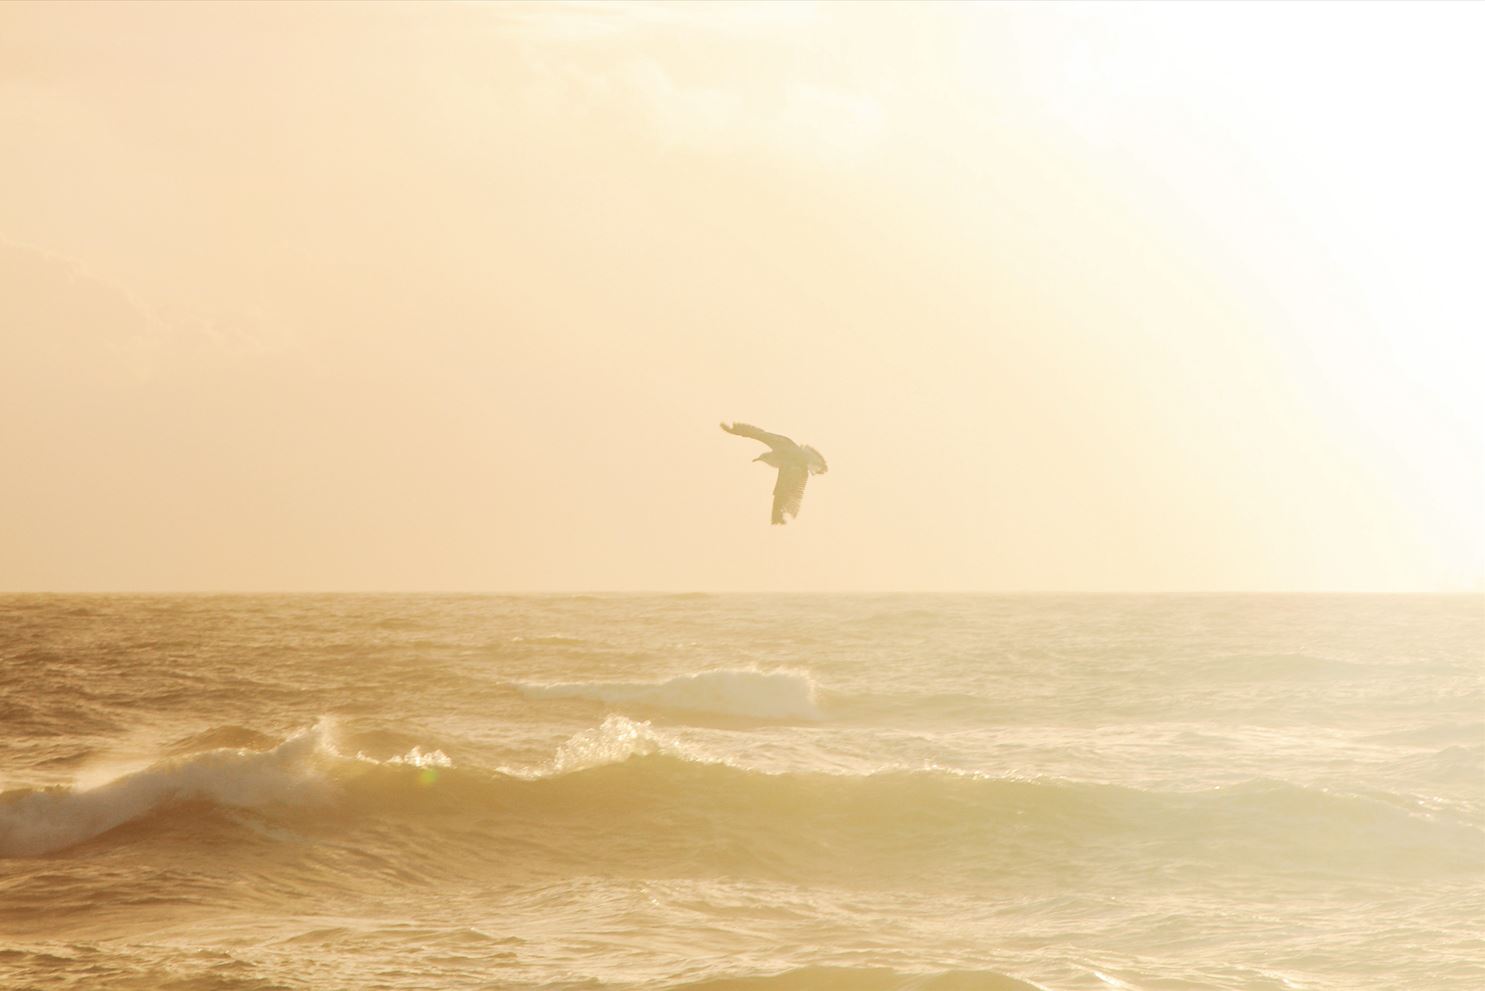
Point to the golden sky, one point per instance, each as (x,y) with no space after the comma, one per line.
(1084,298)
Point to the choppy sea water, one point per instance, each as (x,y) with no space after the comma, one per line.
(735,792)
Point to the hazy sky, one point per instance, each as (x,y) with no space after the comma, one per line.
(452,297)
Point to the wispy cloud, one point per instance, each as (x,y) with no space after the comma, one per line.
(593,20)
(588,58)
(61,314)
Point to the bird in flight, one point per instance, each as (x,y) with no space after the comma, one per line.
(795,462)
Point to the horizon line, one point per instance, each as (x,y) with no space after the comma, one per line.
(535,592)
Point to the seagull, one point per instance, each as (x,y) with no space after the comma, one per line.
(795,462)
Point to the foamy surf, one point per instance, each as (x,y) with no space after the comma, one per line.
(747,692)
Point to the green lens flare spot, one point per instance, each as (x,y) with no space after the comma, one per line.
(428,776)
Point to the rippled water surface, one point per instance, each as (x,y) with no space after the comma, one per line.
(733,792)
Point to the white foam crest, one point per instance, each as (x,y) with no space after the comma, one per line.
(416,757)
(37,822)
(776,694)
(613,741)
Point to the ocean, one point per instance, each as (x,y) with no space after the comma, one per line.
(1072,793)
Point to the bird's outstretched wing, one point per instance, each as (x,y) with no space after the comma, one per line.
(774,441)
(788,492)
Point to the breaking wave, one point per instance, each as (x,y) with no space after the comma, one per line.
(624,792)
(779,694)
(298,773)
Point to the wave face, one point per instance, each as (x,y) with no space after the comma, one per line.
(663,802)
(726,792)
(733,692)
(298,777)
